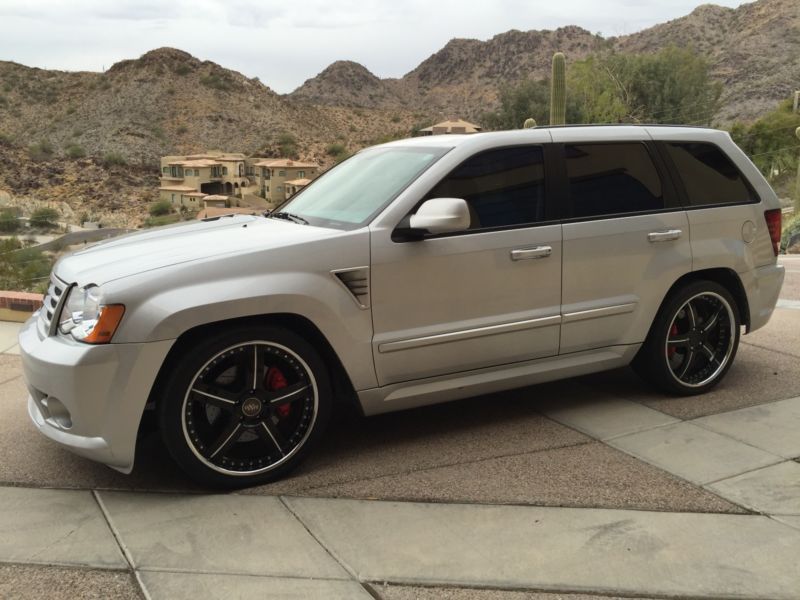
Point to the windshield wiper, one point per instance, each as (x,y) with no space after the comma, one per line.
(288,217)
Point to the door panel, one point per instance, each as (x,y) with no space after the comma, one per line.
(449,304)
(626,243)
(615,277)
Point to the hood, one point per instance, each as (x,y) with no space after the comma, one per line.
(182,243)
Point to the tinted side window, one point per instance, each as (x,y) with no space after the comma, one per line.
(708,175)
(502,187)
(608,179)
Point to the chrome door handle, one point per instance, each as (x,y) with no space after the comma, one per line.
(664,236)
(528,253)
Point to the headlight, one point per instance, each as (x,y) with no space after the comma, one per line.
(87,318)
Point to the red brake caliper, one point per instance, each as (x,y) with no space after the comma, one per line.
(275,381)
(671,349)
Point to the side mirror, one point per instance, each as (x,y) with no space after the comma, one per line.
(441,215)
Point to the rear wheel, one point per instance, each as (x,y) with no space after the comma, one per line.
(693,340)
(245,407)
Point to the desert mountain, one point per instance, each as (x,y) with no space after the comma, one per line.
(754,50)
(169,102)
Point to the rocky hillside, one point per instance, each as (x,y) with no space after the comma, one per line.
(82,188)
(461,79)
(354,85)
(99,135)
(754,50)
(165,102)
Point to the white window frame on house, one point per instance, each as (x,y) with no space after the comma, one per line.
(281,173)
(301,174)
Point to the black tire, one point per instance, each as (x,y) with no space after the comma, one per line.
(223,416)
(693,340)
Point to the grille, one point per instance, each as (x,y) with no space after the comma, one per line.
(51,301)
(357,283)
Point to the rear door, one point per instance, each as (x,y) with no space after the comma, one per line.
(625,239)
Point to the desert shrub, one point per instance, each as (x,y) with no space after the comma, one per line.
(41,151)
(8,221)
(23,269)
(287,144)
(791,228)
(75,151)
(160,208)
(114,159)
(3,100)
(44,217)
(182,129)
(182,70)
(216,82)
(162,220)
(336,150)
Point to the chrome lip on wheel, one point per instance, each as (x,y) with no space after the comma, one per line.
(700,339)
(250,408)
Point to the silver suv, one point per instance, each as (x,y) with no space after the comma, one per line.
(415,272)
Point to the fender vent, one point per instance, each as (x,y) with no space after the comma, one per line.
(356,281)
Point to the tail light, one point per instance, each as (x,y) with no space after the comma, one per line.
(773,218)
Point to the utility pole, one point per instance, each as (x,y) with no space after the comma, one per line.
(796,104)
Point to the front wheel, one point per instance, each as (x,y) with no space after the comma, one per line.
(245,406)
(693,340)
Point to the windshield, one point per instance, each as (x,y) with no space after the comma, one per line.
(353,192)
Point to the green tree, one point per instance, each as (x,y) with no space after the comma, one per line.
(596,92)
(770,141)
(528,99)
(670,86)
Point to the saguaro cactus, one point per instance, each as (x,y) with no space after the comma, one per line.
(529,123)
(558,90)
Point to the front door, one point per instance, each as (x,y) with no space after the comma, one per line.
(484,297)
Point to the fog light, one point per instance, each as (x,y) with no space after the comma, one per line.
(57,412)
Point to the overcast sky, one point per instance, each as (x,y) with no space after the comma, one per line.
(285,42)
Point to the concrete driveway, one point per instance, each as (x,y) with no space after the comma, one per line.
(595,486)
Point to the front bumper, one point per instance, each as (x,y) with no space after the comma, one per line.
(89,398)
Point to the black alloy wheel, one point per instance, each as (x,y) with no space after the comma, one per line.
(693,340)
(245,407)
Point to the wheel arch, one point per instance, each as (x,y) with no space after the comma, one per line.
(727,278)
(343,389)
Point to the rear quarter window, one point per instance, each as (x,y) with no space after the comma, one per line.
(709,177)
